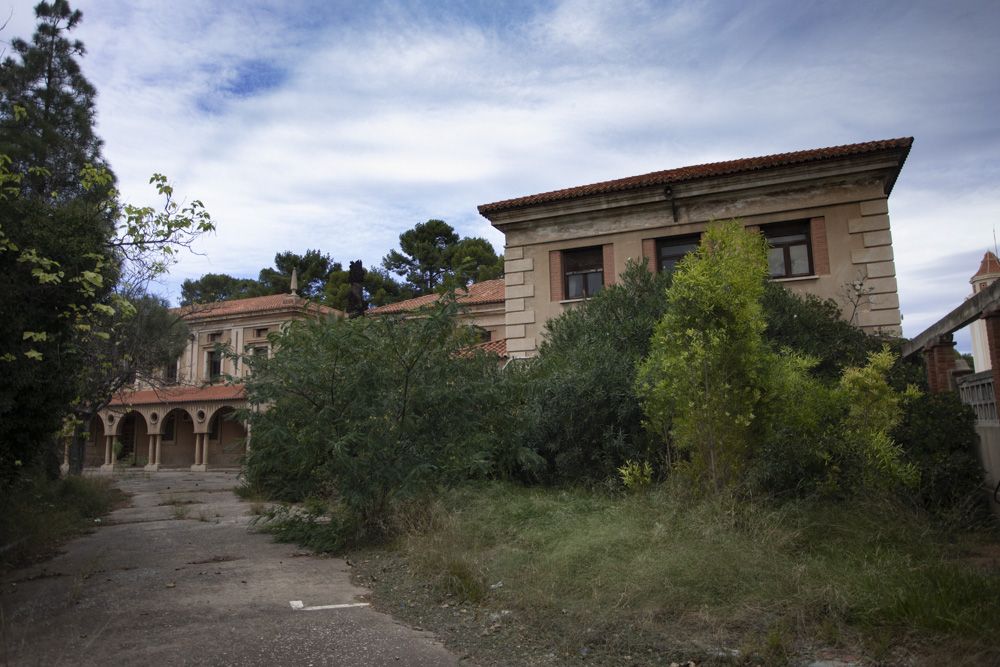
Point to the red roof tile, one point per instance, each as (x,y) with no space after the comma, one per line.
(497,347)
(488,291)
(989,265)
(256,304)
(701,171)
(215,392)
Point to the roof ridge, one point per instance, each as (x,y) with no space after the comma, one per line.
(696,171)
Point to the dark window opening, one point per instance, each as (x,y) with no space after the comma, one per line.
(260,351)
(260,333)
(789,253)
(170,373)
(671,250)
(584,272)
(214,364)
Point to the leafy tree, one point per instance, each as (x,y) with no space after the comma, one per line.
(217,287)
(426,255)
(704,375)
(432,256)
(134,339)
(377,289)
(313,269)
(575,404)
(372,413)
(66,238)
(47,108)
(474,260)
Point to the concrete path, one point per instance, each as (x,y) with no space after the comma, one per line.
(152,587)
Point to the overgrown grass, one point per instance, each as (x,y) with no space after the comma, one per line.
(662,568)
(38,514)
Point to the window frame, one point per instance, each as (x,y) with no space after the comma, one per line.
(210,356)
(680,239)
(790,228)
(567,255)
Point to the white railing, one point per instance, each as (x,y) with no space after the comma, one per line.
(976,391)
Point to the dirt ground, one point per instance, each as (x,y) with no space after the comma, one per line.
(178,579)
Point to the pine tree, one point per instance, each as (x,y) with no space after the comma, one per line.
(47,110)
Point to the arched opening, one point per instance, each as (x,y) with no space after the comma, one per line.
(226,438)
(177,439)
(94,452)
(133,438)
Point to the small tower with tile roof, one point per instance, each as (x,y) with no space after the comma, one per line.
(989,270)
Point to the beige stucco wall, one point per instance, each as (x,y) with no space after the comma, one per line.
(237,333)
(854,211)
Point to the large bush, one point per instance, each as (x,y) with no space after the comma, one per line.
(739,411)
(703,378)
(938,435)
(575,405)
(368,414)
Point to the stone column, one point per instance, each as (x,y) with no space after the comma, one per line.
(200,445)
(109,456)
(204,450)
(939,357)
(153,463)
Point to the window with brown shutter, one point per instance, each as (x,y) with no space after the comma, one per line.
(583,269)
(789,252)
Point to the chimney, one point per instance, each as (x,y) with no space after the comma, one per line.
(295,282)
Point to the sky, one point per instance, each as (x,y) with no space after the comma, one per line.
(339,125)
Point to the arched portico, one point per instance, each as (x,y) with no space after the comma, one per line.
(176,427)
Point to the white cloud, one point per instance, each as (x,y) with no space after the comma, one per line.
(369,118)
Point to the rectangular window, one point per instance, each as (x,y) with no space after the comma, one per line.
(671,250)
(215,337)
(584,272)
(260,333)
(214,364)
(788,253)
(260,351)
(170,373)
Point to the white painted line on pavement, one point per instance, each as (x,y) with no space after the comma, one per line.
(298,605)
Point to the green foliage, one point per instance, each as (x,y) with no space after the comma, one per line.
(636,476)
(705,372)
(378,289)
(372,412)
(213,287)
(574,405)
(625,572)
(47,112)
(937,433)
(814,327)
(432,256)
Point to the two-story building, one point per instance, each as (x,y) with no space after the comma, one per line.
(824,212)
(188,421)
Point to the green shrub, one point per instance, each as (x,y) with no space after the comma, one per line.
(370,412)
(938,435)
(704,375)
(575,405)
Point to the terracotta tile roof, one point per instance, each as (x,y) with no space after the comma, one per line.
(488,291)
(988,266)
(695,172)
(256,304)
(215,392)
(497,347)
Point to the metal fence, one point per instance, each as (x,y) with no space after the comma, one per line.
(977,391)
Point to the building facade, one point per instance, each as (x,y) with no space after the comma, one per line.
(989,271)
(824,212)
(189,421)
